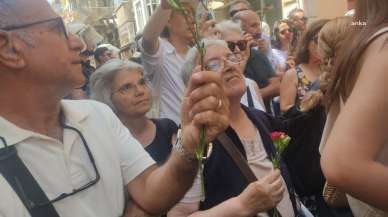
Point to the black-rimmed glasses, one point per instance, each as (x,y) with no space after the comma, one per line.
(58,20)
(82,188)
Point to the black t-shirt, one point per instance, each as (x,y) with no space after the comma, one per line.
(160,147)
(259,68)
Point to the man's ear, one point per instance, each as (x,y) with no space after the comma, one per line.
(10,51)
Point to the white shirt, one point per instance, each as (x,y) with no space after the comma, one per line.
(261,165)
(163,69)
(59,167)
(257,100)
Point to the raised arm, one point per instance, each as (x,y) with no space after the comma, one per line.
(155,26)
(288,90)
(351,158)
(157,189)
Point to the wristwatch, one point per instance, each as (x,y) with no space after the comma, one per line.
(180,149)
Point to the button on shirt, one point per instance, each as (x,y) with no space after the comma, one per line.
(163,69)
(59,167)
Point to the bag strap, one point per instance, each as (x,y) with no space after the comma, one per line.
(24,184)
(249,97)
(237,157)
(240,161)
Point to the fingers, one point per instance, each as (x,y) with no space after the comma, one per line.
(206,90)
(200,78)
(209,103)
(271,177)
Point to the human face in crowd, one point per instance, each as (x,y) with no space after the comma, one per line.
(237,8)
(106,56)
(179,27)
(313,51)
(236,43)
(250,23)
(33,55)
(285,34)
(221,60)
(130,94)
(299,21)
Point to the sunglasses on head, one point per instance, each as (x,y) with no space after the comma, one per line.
(242,45)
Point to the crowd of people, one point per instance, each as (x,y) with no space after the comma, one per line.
(120,137)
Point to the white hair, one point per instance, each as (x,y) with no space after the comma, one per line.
(101,80)
(229,25)
(192,56)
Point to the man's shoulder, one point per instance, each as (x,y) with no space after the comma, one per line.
(84,104)
(86,108)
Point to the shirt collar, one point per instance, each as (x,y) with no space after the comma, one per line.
(14,134)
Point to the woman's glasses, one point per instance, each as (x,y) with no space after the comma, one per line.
(242,45)
(216,65)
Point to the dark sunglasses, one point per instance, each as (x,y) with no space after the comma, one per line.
(234,12)
(242,45)
(58,20)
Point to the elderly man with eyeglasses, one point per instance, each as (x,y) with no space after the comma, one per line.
(76,158)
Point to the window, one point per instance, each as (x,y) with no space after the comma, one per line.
(151,6)
(139,15)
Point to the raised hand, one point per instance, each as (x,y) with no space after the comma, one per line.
(204,105)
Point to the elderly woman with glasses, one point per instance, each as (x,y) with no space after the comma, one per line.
(227,191)
(239,44)
(257,67)
(121,85)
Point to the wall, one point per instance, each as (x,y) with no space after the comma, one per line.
(330,8)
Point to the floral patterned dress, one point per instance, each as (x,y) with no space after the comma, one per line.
(304,85)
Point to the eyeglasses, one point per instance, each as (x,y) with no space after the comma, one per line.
(127,89)
(242,45)
(216,65)
(234,12)
(58,20)
(91,158)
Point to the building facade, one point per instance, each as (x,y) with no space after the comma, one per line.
(126,26)
(143,10)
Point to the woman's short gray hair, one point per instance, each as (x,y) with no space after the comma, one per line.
(101,80)
(229,25)
(192,56)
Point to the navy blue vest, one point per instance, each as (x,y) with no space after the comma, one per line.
(223,179)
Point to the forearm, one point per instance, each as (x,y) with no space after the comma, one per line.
(352,178)
(154,28)
(229,208)
(167,184)
(270,91)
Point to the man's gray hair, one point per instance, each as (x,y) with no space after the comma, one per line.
(191,59)
(9,16)
(7,13)
(229,25)
(101,80)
